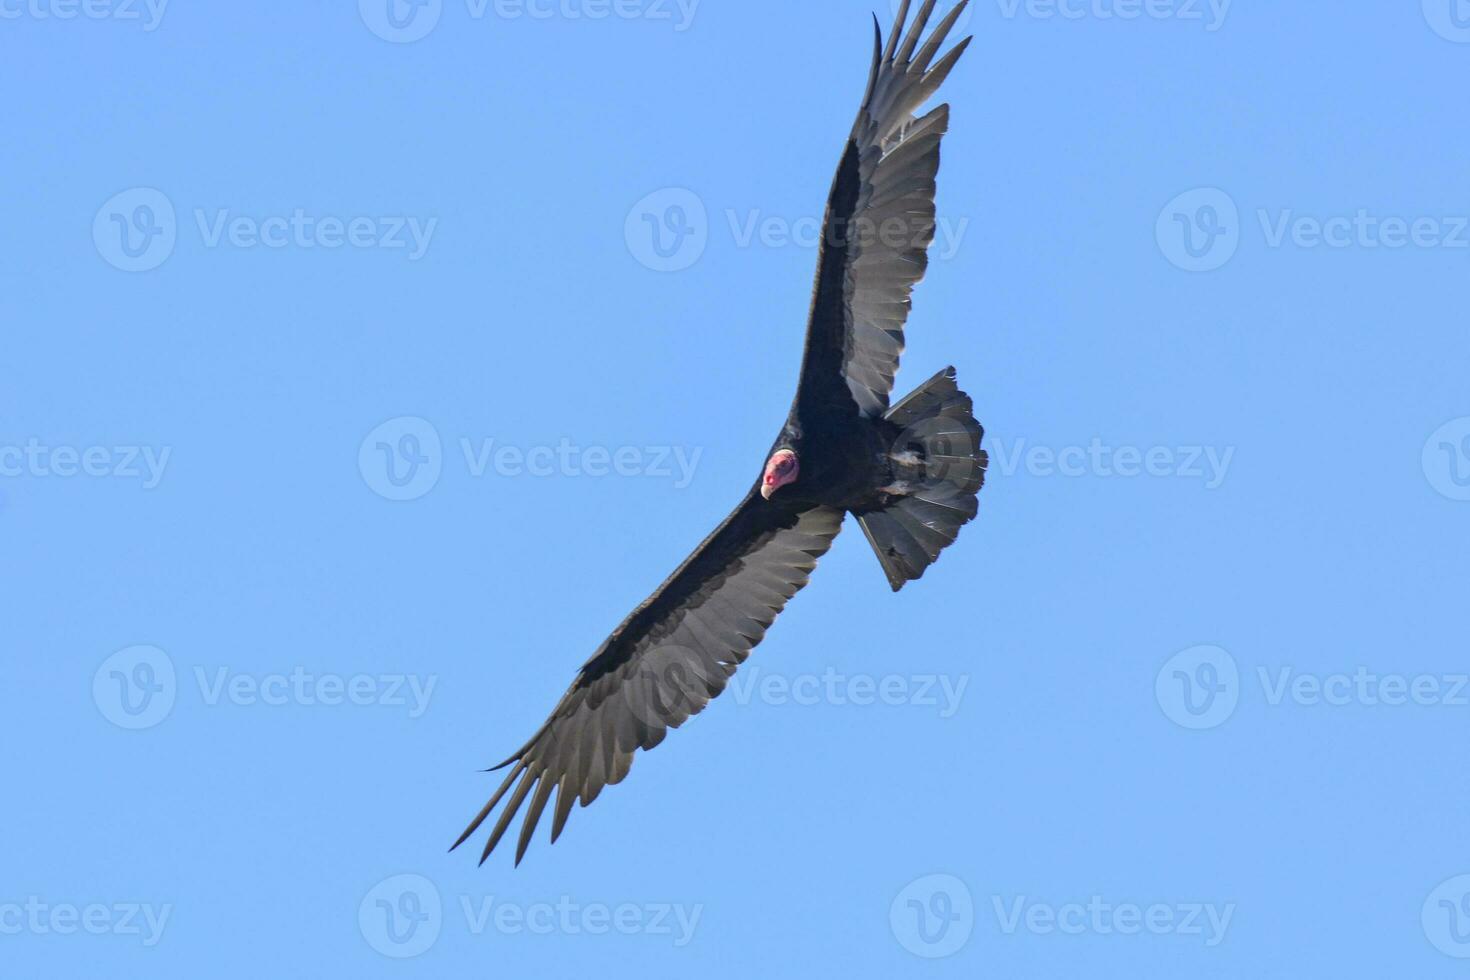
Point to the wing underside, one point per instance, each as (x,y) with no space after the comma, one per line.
(880,219)
(669,659)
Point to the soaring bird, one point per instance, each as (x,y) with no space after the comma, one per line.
(909,473)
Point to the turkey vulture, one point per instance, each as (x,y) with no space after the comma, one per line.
(908,473)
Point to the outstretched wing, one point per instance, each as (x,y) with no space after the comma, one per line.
(879,224)
(665,662)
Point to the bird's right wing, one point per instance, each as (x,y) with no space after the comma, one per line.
(666,661)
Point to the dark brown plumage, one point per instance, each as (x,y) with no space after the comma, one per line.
(908,473)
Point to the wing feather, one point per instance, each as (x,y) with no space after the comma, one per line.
(879,224)
(665,663)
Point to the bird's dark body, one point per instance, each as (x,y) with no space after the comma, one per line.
(843,462)
(908,472)
(842,452)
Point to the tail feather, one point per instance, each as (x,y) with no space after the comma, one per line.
(939,468)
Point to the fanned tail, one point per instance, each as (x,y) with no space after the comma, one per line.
(939,469)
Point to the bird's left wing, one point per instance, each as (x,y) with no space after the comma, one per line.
(879,223)
(666,661)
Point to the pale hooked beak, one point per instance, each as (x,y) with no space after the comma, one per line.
(781,469)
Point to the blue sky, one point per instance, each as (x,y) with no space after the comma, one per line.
(1185,700)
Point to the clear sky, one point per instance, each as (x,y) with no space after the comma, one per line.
(1187,699)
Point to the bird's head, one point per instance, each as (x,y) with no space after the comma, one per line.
(782,468)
